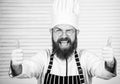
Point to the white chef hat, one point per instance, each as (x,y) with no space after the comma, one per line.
(65,12)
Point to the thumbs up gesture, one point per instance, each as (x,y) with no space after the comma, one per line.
(17,55)
(107,51)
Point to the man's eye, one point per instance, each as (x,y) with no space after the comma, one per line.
(70,31)
(57,30)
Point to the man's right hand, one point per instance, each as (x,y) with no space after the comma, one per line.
(17,57)
(16,62)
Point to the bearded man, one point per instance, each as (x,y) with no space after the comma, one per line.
(65,63)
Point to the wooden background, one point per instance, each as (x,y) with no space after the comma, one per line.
(29,22)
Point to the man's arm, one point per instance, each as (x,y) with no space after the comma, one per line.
(27,68)
(97,67)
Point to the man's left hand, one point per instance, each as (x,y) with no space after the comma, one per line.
(107,52)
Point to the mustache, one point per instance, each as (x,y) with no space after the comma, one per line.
(64,39)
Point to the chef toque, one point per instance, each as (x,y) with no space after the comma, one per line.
(65,12)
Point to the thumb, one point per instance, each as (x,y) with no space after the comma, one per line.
(17,44)
(109,41)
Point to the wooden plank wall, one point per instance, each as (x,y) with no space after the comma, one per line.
(29,21)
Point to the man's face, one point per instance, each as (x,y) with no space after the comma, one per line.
(64,39)
(64,35)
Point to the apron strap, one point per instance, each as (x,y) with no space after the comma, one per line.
(78,63)
(50,63)
(80,71)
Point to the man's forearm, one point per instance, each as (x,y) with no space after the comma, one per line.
(16,69)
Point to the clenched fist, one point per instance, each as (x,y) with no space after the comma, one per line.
(107,51)
(17,57)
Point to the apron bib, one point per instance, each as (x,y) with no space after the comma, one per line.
(56,79)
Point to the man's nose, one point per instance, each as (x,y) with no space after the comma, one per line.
(64,35)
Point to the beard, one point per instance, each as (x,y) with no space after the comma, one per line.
(64,53)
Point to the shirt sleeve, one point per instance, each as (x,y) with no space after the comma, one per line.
(32,67)
(96,66)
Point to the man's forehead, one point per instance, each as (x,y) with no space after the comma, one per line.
(64,26)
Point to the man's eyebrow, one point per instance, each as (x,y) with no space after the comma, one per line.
(57,28)
(70,29)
